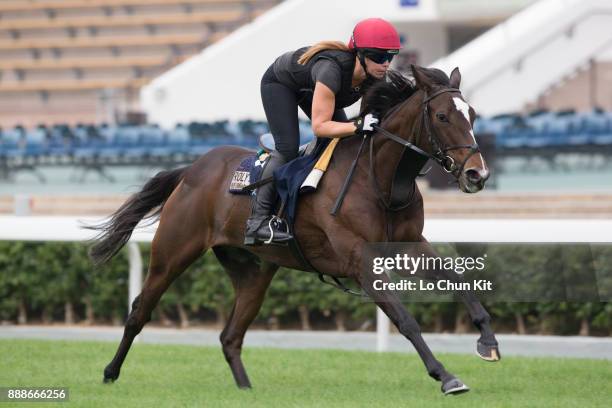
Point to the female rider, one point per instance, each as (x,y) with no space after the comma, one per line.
(322,80)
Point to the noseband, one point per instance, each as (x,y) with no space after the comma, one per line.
(440,154)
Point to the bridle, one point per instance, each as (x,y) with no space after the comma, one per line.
(440,153)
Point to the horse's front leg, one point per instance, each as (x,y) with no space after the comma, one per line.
(351,252)
(406,324)
(486,347)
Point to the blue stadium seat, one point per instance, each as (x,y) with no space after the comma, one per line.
(36,142)
(481,125)
(598,125)
(198,141)
(576,131)
(540,131)
(178,140)
(511,131)
(128,140)
(108,149)
(60,141)
(153,140)
(83,148)
(14,143)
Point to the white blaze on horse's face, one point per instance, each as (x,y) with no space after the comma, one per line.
(464,108)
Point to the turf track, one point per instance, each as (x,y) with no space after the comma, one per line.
(165,375)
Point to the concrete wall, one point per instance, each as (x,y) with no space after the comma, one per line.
(511,65)
(586,88)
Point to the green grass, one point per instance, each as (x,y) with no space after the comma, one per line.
(164,375)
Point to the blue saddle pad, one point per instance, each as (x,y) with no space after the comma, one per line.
(248,172)
(289,178)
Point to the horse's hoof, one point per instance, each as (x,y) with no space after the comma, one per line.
(109,376)
(488,352)
(454,386)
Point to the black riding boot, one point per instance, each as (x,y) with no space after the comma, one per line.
(260,226)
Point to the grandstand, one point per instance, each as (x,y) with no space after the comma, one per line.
(71,71)
(83,61)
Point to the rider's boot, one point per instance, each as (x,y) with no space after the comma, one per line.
(260,226)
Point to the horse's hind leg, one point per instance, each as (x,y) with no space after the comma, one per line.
(175,247)
(250,283)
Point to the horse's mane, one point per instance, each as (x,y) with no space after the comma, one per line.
(383,95)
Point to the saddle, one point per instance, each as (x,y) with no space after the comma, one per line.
(250,169)
(266,142)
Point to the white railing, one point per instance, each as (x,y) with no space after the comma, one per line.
(45,228)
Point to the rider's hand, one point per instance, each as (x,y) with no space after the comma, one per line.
(365,123)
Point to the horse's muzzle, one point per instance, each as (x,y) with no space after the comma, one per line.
(473,179)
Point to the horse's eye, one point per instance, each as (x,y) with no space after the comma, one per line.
(442,117)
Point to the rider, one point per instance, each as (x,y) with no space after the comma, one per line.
(322,80)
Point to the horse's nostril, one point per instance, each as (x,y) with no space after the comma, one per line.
(473,176)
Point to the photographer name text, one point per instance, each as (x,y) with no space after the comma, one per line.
(441,285)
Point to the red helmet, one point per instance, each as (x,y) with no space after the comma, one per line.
(375,33)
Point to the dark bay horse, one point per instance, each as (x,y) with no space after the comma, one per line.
(197,213)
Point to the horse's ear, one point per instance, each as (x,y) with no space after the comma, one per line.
(422,81)
(455,78)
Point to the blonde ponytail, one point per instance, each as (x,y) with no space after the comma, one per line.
(321,46)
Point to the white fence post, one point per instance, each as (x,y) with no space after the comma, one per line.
(382,331)
(22,204)
(135,285)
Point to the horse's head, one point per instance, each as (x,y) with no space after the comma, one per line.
(446,128)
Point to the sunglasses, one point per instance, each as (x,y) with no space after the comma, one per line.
(379,57)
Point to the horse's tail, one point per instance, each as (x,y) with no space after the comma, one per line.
(117,230)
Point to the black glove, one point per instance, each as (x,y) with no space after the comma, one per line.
(364,124)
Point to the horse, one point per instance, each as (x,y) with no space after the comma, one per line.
(196,213)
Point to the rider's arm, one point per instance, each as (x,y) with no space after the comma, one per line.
(323,106)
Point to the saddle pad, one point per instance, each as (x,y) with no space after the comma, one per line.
(287,178)
(248,172)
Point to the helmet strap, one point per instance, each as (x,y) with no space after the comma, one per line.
(361,58)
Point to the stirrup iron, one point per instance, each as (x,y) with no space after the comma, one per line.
(279,221)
